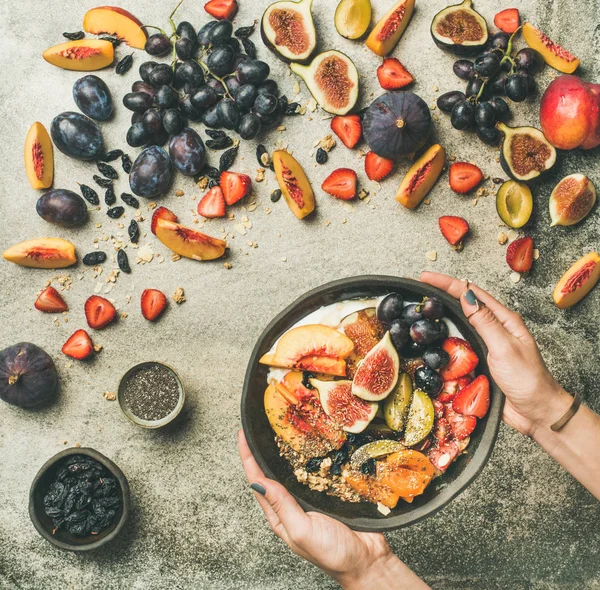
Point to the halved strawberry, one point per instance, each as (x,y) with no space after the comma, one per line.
(474,399)
(464,177)
(99,312)
(519,254)
(463,359)
(212,203)
(452,387)
(153,303)
(453,228)
(376,167)
(442,454)
(461,425)
(442,430)
(341,184)
(161,213)
(221,9)
(393,75)
(235,186)
(508,20)
(50,301)
(348,128)
(79,346)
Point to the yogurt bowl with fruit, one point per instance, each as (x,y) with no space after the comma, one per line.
(369,398)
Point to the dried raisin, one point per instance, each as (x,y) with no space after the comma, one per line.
(126,163)
(245,32)
(89,194)
(227,159)
(134,231)
(103,182)
(94,258)
(74,36)
(112,155)
(249,48)
(109,196)
(116,212)
(123,261)
(125,64)
(321,156)
(130,200)
(107,170)
(276,195)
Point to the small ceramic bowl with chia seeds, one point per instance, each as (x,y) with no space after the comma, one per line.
(151,394)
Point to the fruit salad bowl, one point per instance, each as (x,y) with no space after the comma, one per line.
(365,516)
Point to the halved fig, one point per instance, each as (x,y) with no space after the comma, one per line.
(375,450)
(420,418)
(343,407)
(377,375)
(84,55)
(288,29)
(525,152)
(460,29)
(294,184)
(572,199)
(421,177)
(397,404)
(42,253)
(188,242)
(39,157)
(514,203)
(313,347)
(554,55)
(387,32)
(116,21)
(332,79)
(578,281)
(352,18)
(365,331)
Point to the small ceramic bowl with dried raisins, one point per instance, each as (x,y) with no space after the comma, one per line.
(79,500)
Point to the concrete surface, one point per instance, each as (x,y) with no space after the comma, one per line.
(524,524)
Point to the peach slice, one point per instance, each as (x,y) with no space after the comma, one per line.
(42,253)
(578,281)
(554,55)
(314,347)
(276,409)
(387,32)
(188,242)
(85,55)
(294,184)
(116,21)
(39,157)
(421,177)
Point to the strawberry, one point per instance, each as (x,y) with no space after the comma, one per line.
(443,454)
(341,184)
(393,75)
(453,228)
(348,129)
(474,399)
(442,430)
(50,301)
(508,20)
(153,303)
(99,312)
(212,203)
(235,186)
(519,254)
(452,387)
(376,167)
(463,359)
(221,9)
(461,425)
(438,409)
(464,177)
(79,346)
(161,213)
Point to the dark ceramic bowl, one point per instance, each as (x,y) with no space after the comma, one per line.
(43,523)
(364,516)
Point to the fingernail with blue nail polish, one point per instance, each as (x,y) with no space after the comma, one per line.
(258,489)
(470,297)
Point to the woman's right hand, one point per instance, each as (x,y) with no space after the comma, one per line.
(533,397)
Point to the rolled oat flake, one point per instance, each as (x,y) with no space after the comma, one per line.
(152,392)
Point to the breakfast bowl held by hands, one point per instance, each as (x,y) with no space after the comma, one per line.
(369,398)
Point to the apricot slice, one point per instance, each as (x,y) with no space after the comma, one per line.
(578,281)
(421,177)
(85,55)
(42,253)
(311,348)
(387,32)
(188,242)
(371,489)
(572,199)
(554,55)
(39,157)
(294,184)
(116,21)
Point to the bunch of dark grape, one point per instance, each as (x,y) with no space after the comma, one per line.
(209,79)
(493,74)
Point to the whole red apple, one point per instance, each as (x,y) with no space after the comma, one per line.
(570,113)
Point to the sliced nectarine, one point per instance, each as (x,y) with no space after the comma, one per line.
(85,55)
(276,408)
(578,281)
(554,55)
(42,253)
(387,32)
(294,184)
(421,177)
(115,21)
(188,242)
(39,157)
(312,348)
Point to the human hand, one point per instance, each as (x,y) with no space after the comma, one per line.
(533,397)
(353,559)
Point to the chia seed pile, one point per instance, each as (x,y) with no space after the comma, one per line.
(151,393)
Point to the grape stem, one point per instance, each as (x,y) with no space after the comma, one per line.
(173,14)
(210,73)
(153,27)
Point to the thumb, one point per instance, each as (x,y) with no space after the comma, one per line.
(289,512)
(483,319)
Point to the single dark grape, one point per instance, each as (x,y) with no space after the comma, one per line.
(270,121)
(186,30)
(137,117)
(240,58)
(436,358)
(528,60)
(501,109)
(229,113)
(232,84)
(411,314)
(204,32)
(159,138)
(161,74)
(173,121)
(432,308)
(390,308)
(531,83)
(211,117)
(250,126)
(446,102)
(486,65)
(137,101)
(265,104)
(146,69)
(165,97)
(485,115)
(245,96)
(399,333)
(152,121)
(221,32)
(496,84)
(137,135)
(253,71)
(462,115)
(184,48)
(516,87)
(139,86)
(221,59)
(234,44)
(268,87)
(428,380)
(474,86)
(158,44)
(412,350)
(464,69)
(204,97)
(489,135)
(192,112)
(499,41)
(424,331)
(216,86)
(442,330)
(190,71)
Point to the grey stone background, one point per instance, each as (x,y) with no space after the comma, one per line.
(524,524)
